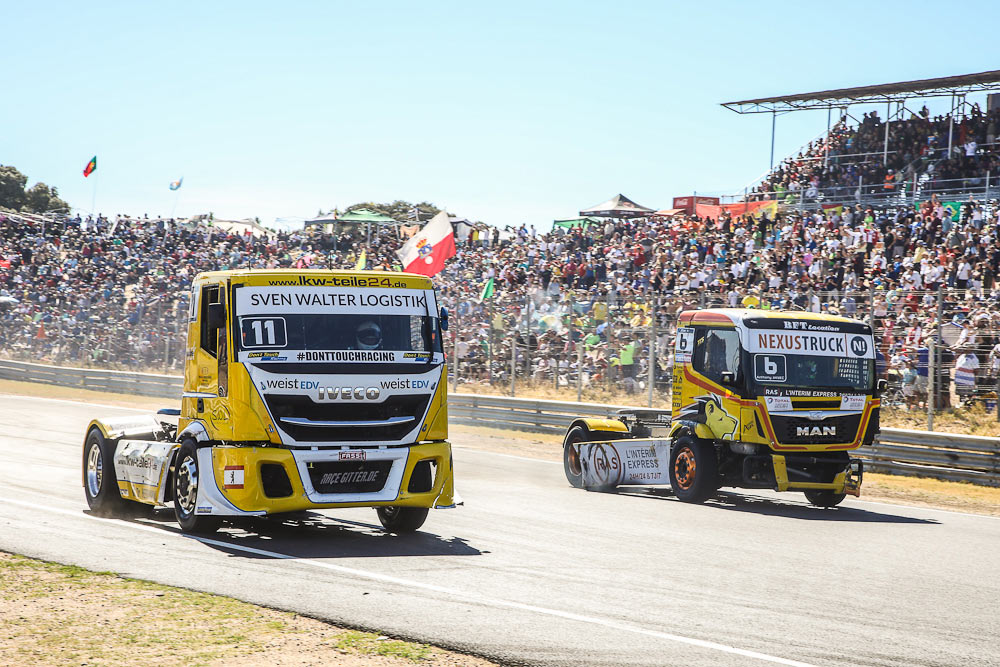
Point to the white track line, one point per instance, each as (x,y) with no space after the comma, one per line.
(72,402)
(525,458)
(506,456)
(407,583)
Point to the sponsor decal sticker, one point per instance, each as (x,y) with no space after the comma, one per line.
(820,343)
(358,455)
(684,345)
(778,403)
(340,281)
(606,464)
(852,402)
(233,477)
(770,367)
(330,300)
(353,477)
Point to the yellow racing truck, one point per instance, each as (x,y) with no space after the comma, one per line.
(761,399)
(303,389)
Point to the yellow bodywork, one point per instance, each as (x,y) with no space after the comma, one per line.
(251,498)
(715,412)
(219,395)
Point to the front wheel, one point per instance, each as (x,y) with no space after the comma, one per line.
(824,497)
(694,469)
(401,519)
(186,479)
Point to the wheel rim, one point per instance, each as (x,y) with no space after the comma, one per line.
(684,468)
(95,470)
(187,485)
(389,512)
(573,458)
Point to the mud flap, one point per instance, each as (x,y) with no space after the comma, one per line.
(855,473)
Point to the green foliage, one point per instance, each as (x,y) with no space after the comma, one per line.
(42,198)
(12,184)
(399,210)
(39,198)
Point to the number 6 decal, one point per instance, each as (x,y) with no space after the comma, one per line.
(769,367)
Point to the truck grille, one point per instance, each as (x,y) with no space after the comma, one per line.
(349,476)
(787,430)
(404,405)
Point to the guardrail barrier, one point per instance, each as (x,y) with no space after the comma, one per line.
(946,456)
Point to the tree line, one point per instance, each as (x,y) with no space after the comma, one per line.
(39,198)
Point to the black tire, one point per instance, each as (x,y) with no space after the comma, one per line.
(824,498)
(186,478)
(401,519)
(571,456)
(694,469)
(99,481)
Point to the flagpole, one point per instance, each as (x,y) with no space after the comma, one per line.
(93,201)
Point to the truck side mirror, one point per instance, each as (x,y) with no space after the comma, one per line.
(728,378)
(881,386)
(444,318)
(216,316)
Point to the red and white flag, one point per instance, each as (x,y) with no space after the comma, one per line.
(425,253)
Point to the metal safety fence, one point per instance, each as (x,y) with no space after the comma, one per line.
(937,348)
(944,456)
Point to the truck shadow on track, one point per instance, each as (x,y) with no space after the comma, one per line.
(315,535)
(740,502)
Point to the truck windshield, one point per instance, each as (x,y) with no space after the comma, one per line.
(401,333)
(774,373)
(335,324)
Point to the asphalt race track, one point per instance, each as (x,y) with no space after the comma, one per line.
(531,571)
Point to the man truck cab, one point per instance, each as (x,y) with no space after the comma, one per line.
(760,399)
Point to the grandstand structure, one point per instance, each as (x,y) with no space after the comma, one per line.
(951,157)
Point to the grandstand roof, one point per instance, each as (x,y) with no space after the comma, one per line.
(886,92)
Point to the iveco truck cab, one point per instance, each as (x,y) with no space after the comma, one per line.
(303,389)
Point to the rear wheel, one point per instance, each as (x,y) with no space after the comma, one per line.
(186,480)
(401,519)
(99,480)
(694,469)
(571,454)
(824,498)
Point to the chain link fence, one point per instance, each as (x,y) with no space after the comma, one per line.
(122,331)
(598,345)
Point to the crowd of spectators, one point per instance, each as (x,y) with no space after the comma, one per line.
(585,305)
(849,160)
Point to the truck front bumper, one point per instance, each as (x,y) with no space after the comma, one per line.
(847,481)
(250,481)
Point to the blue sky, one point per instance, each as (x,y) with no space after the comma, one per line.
(503,112)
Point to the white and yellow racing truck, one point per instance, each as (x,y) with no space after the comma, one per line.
(303,390)
(761,399)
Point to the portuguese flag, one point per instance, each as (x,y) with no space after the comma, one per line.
(91,167)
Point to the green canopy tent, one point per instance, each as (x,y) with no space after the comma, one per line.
(618,206)
(367,217)
(570,223)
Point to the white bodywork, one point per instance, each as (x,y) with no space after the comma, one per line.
(625,463)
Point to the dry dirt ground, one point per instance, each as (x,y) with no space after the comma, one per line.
(61,615)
